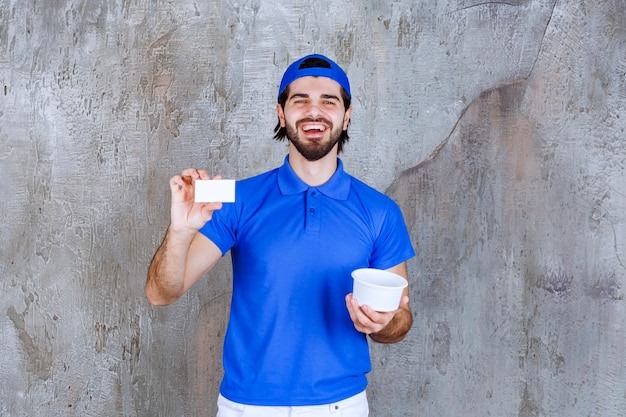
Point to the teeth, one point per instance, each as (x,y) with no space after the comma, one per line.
(307,128)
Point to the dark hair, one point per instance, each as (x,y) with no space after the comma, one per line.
(280,133)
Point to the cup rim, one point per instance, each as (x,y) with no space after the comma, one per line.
(362,274)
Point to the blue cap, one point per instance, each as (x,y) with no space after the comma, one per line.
(332,71)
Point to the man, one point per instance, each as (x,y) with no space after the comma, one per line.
(296,339)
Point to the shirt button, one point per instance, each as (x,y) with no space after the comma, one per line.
(312,210)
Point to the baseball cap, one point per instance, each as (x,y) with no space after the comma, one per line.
(328,69)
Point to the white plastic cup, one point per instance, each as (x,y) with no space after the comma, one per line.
(379,289)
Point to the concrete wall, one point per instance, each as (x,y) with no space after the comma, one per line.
(498,127)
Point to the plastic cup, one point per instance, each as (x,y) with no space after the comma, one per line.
(379,289)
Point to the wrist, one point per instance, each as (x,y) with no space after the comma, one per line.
(181,234)
(397,328)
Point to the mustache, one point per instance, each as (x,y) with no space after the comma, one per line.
(315,120)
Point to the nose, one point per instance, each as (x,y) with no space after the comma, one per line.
(314,110)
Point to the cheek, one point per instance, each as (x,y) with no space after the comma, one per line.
(288,118)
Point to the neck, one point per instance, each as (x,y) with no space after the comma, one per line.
(313,173)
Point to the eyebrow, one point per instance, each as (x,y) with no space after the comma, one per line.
(325,96)
(330,96)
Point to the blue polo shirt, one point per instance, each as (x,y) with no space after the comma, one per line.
(290,340)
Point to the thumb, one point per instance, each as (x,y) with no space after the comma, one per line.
(404,301)
(208,209)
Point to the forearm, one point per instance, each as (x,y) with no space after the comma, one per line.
(397,328)
(166,274)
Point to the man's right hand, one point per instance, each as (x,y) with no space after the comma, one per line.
(184,255)
(187,216)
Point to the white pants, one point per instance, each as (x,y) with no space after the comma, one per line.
(355,406)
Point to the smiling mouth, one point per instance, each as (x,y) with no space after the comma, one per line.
(313,127)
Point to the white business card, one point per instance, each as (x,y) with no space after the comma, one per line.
(210,191)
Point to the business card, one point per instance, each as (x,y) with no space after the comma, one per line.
(210,191)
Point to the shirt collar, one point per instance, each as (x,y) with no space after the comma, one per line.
(337,187)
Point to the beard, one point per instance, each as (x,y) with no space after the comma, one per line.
(313,150)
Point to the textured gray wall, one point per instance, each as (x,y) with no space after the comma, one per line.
(498,126)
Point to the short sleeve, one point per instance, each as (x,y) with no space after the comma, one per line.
(222,228)
(393,244)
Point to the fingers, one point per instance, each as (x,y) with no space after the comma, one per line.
(177,183)
(359,319)
(192,174)
(188,176)
(365,319)
(353,307)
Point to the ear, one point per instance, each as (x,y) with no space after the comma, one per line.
(346,118)
(281,114)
